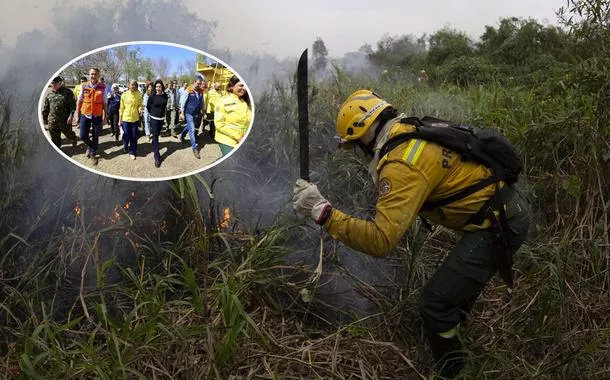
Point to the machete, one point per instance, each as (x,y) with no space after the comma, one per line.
(303,116)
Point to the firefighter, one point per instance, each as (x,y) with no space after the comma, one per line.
(78,87)
(232,115)
(422,80)
(214,94)
(408,177)
(59,106)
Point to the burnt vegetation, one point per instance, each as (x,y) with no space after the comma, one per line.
(212,276)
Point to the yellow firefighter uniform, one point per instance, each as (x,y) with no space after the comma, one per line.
(212,98)
(405,180)
(232,117)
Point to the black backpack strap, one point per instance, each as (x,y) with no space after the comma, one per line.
(394,142)
(412,120)
(401,137)
(496,202)
(429,206)
(502,256)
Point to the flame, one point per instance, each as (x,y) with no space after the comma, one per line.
(226,218)
(127,205)
(163,226)
(77,209)
(133,194)
(117,215)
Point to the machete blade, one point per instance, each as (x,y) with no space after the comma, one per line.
(303,116)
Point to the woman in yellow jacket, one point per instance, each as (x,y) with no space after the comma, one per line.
(130,111)
(232,115)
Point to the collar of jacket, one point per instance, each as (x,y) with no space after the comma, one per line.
(191,90)
(390,129)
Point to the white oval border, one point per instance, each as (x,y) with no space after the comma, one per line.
(137,179)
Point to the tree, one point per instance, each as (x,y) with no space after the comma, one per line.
(147,71)
(161,65)
(130,61)
(366,49)
(397,51)
(447,44)
(319,55)
(104,60)
(588,23)
(190,65)
(519,42)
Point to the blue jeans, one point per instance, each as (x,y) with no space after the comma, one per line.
(155,126)
(146,117)
(93,125)
(190,128)
(130,136)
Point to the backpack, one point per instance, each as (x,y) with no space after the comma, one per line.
(485,146)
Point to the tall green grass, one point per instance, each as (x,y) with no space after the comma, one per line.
(84,299)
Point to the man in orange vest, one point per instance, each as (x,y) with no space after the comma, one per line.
(91,111)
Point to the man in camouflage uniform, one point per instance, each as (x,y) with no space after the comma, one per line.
(173,107)
(59,106)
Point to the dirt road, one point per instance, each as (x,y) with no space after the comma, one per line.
(177,159)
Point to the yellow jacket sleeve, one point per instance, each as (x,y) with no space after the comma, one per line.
(401,191)
(410,175)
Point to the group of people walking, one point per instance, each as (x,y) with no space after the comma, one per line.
(228,115)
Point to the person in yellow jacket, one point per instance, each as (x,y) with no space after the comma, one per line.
(213,96)
(130,111)
(78,87)
(232,115)
(409,177)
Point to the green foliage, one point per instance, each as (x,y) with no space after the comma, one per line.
(465,71)
(397,51)
(448,44)
(190,308)
(518,42)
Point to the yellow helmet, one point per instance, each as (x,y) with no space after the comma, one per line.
(358,113)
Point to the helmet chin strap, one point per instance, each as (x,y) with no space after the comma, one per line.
(367,142)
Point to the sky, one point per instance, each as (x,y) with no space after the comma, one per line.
(176,55)
(284,28)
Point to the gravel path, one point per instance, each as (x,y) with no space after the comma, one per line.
(177,159)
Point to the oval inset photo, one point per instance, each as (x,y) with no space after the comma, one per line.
(146,111)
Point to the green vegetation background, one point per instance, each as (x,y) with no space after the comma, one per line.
(199,299)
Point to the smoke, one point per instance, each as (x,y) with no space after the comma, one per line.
(259,194)
(27,67)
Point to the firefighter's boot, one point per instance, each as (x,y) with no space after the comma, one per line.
(448,354)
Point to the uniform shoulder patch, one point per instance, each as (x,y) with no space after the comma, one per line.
(384,187)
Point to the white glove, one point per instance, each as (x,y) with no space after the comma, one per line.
(308,201)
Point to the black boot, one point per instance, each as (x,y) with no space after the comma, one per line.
(448,354)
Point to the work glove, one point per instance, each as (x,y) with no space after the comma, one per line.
(308,201)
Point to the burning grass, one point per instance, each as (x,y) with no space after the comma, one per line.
(124,280)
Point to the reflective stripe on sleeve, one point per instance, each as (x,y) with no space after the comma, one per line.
(413,151)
